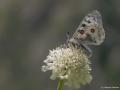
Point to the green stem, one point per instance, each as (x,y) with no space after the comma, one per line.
(60,85)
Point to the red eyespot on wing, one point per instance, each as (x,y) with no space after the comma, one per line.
(92,30)
(81,31)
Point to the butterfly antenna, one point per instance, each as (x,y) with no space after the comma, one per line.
(68,36)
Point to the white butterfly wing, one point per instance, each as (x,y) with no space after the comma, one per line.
(84,34)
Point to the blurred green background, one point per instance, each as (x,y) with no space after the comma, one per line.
(29,28)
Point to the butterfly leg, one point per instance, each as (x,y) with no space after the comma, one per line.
(89,51)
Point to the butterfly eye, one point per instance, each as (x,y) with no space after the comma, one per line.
(81,31)
(92,30)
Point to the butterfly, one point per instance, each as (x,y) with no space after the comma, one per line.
(89,32)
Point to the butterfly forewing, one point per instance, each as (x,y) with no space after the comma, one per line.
(90,31)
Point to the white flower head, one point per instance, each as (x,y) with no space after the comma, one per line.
(70,64)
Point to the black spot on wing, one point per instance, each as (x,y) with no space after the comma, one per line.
(83,25)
